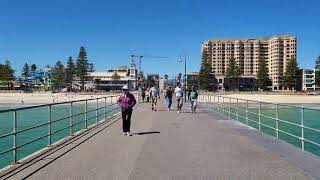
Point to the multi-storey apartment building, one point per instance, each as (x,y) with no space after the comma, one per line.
(275,51)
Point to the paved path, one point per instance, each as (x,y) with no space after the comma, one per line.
(166,145)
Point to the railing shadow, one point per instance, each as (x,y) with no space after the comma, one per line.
(145,133)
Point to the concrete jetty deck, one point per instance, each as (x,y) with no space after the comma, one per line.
(167,145)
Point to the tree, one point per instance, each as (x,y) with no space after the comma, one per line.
(91,67)
(70,72)
(232,74)
(317,78)
(58,75)
(157,79)
(25,71)
(166,76)
(33,67)
(82,66)
(2,73)
(291,76)
(150,80)
(8,73)
(263,80)
(207,80)
(317,66)
(115,76)
(299,80)
(141,78)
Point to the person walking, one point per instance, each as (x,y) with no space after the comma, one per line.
(143,93)
(147,94)
(189,91)
(154,94)
(179,96)
(168,97)
(126,102)
(193,99)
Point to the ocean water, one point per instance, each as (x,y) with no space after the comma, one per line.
(291,117)
(36,116)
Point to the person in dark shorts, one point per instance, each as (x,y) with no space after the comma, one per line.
(143,93)
(193,99)
(168,97)
(179,96)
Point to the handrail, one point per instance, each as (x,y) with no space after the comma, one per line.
(265,102)
(52,104)
(225,107)
(98,115)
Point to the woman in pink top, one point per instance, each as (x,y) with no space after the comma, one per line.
(126,102)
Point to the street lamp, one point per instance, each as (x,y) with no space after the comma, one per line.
(183,58)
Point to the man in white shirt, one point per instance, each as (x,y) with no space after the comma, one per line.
(179,95)
(154,97)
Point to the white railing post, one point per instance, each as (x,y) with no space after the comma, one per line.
(49,125)
(229,107)
(302,129)
(71,119)
(218,103)
(97,106)
(259,115)
(277,121)
(223,105)
(237,109)
(105,108)
(247,118)
(14,136)
(86,115)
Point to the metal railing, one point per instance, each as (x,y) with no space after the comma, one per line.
(104,108)
(294,124)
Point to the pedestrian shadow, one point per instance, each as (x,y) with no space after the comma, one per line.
(144,133)
(162,110)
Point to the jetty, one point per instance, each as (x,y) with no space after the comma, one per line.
(170,145)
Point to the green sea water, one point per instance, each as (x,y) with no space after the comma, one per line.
(35,116)
(311,118)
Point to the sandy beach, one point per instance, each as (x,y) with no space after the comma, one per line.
(44,98)
(285,99)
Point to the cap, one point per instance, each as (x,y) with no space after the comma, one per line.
(125,87)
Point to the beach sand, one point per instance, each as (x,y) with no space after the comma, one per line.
(44,98)
(47,98)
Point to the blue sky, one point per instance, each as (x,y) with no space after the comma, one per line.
(43,31)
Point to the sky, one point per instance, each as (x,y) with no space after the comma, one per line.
(43,31)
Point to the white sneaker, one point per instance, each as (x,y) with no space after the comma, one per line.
(168,109)
(128,134)
(124,134)
(178,111)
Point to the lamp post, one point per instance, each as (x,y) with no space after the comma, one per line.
(185,74)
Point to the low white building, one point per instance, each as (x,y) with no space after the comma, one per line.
(115,79)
